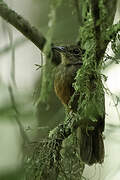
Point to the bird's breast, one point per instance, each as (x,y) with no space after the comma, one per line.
(63,82)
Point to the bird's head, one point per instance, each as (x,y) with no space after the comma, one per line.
(70,55)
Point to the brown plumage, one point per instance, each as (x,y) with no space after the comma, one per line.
(91,142)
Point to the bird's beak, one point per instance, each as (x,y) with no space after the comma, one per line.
(59,48)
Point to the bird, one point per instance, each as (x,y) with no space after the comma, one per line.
(91,141)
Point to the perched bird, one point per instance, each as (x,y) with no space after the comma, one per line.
(91,141)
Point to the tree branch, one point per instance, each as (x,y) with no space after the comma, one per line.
(100,13)
(22,25)
(97,31)
(66,128)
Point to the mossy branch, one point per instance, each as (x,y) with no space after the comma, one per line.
(97,31)
(65,129)
(102,21)
(22,25)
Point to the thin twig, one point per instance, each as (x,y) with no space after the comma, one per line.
(111,94)
(17,114)
(10,34)
(16,44)
(22,25)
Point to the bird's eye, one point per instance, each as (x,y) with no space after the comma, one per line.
(76,51)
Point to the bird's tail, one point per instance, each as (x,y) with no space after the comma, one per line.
(91,147)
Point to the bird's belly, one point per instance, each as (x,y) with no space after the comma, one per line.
(62,89)
(63,84)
